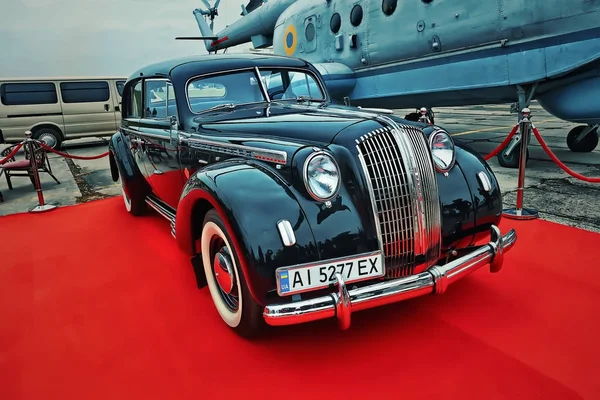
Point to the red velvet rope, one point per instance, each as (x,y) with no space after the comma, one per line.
(60,153)
(12,153)
(503,144)
(559,163)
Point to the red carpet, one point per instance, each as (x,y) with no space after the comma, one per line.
(86,312)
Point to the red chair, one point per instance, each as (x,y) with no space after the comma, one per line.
(24,167)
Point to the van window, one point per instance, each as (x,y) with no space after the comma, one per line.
(84,92)
(135,101)
(16,94)
(120,87)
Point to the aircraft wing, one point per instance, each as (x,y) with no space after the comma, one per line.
(253,5)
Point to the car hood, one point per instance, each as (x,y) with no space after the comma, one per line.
(298,124)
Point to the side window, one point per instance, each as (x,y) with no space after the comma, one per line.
(16,94)
(120,87)
(135,101)
(84,92)
(159,99)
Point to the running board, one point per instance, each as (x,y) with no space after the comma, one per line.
(163,210)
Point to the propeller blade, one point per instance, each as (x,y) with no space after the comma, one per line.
(212,23)
(217,4)
(196,38)
(207,4)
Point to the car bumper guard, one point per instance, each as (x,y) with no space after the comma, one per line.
(344,302)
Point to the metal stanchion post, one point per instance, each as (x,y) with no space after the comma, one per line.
(41,207)
(519,212)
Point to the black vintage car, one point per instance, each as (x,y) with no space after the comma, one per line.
(292,208)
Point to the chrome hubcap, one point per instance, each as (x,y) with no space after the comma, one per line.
(50,140)
(224,270)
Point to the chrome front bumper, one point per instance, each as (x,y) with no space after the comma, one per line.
(436,279)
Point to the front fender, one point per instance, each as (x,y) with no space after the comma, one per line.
(251,200)
(123,166)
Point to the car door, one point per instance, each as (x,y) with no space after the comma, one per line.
(88,108)
(160,141)
(130,126)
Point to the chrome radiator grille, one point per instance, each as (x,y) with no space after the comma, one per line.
(403,187)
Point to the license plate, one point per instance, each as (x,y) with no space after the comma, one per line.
(302,278)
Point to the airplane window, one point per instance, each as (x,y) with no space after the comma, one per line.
(389,6)
(310,32)
(427,1)
(336,23)
(356,15)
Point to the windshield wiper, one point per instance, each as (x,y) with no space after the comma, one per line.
(230,106)
(302,98)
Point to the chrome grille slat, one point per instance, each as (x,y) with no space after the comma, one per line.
(400,189)
(405,257)
(394,211)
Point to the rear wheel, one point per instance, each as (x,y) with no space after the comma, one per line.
(135,205)
(225,279)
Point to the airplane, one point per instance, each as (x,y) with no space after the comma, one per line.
(438,53)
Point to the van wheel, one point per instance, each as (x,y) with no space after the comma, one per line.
(226,281)
(50,136)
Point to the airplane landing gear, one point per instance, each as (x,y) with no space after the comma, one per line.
(510,159)
(583,139)
(509,156)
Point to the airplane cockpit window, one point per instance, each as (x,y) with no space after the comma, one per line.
(389,6)
(336,23)
(356,15)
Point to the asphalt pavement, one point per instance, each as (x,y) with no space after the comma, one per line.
(557,196)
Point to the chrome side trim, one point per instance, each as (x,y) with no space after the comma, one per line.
(160,208)
(286,232)
(257,153)
(436,280)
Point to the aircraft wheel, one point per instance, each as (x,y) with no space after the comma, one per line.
(586,144)
(512,160)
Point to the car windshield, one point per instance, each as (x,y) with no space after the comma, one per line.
(225,91)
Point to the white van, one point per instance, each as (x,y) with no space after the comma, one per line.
(59,109)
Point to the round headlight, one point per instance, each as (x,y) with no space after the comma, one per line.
(442,150)
(321,176)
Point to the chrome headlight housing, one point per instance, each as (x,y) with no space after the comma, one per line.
(321,176)
(442,150)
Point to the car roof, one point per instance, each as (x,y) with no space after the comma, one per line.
(206,63)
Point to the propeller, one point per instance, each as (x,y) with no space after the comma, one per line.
(211,12)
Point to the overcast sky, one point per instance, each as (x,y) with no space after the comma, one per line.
(107,37)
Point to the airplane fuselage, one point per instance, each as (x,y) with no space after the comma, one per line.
(400,54)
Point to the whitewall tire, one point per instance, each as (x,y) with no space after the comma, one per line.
(134,205)
(225,279)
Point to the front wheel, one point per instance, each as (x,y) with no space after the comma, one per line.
(226,281)
(512,160)
(51,137)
